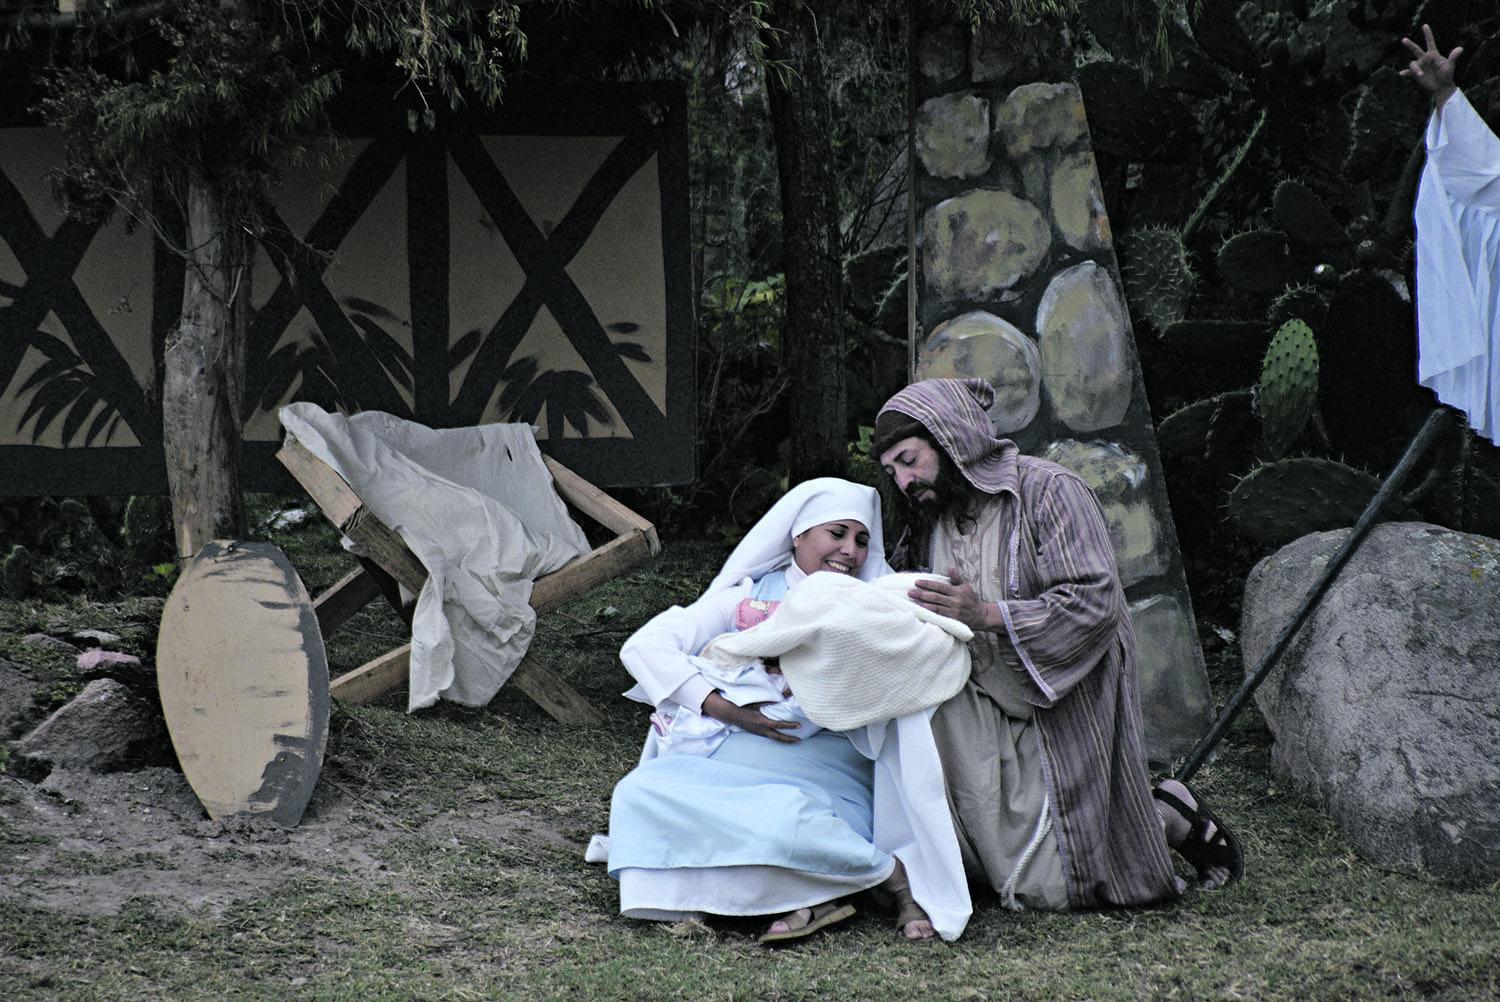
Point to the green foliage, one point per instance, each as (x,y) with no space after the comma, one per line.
(1288,388)
(60,546)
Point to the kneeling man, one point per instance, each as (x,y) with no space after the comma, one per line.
(1042,748)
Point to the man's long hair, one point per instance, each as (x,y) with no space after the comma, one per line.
(955,497)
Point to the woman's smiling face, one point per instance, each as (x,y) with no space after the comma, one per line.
(840,547)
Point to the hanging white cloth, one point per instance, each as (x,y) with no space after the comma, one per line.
(1458,265)
(477,507)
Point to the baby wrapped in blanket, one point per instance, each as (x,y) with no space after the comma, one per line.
(842,653)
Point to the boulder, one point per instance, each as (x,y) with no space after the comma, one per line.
(102,729)
(1385,706)
(17,697)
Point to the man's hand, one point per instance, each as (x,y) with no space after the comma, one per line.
(1430,68)
(955,599)
(749,718)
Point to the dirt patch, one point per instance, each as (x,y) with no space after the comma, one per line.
(85,844)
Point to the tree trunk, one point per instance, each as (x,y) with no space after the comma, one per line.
(813,332)
(202,380)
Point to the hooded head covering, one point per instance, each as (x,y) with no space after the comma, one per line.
(955,413)
(768,545)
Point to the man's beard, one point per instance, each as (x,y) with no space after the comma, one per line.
(950,494)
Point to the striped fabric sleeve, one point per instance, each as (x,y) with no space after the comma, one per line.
(1069,627)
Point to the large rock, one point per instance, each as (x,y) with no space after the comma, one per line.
(18,691)
(102,729)
(1385,708)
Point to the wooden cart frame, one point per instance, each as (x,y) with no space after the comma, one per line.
(633,544)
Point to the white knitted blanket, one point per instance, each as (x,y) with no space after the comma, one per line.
(856,652)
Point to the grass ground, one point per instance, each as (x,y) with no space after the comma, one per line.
(473,822)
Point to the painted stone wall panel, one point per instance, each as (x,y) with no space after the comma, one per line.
(1022,248)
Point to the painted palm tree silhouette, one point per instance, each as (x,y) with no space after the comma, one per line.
(570,395)
(64,387)
(328,378)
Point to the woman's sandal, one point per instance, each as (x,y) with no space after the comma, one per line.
(1205,853)
(806,921)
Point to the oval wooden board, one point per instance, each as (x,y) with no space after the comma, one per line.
(244,681)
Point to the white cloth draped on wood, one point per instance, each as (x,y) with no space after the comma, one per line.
(478,508)
(856,652)
(1458,265)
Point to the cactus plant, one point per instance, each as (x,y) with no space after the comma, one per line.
(1231,432)
(1158,279)
(1304,217)
(1221,354)
(1257,261)
(1278,502)
(1288,387)
(1298,302)
(1184,432)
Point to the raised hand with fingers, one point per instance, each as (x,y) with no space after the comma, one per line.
(1430,68)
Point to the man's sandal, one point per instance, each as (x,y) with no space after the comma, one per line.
(1205,853)
(907,909)
(806,921)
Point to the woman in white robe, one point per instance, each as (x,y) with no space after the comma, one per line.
(749,819)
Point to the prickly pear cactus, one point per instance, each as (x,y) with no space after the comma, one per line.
(1256,261)
(1303,216)
(1224,354)
(1158,279)
(1281,501)
(1288,387)
(1184,432)
(1298,302)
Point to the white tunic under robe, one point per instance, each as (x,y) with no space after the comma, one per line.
(1458,265)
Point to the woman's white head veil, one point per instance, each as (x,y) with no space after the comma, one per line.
(768,545)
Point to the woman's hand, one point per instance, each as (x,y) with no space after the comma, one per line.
(749,718)
(956,599)
(1430,68)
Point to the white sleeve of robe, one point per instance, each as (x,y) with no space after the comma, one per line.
(659,654)
(1458,252)
(912,817)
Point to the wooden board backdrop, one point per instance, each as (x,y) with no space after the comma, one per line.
(532,265)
